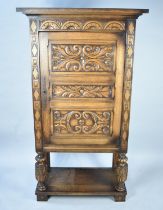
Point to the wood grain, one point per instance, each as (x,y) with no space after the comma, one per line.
(82,181)
(77,45)
(82,64)
(82,11)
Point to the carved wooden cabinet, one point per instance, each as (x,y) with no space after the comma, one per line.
(82,61)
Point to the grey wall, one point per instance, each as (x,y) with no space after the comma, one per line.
(16,117)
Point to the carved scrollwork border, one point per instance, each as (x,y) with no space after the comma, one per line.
(127,85)
(36,83)
(76,25)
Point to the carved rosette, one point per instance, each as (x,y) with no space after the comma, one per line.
(127,84)
(41,171)
(78,57)
(36,83)
(73,25)
(82,122)
(121,172)
(83,91)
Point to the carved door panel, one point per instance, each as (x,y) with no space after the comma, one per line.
(81,86)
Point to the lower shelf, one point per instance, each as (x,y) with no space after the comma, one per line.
(81,181)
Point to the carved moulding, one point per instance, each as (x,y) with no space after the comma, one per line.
(83,91)
(127,86)
(79,57)
(82,122)
(36,82)
(73,25)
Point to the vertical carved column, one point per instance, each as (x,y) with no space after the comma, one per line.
(41,171)
(127,84)
(36,83)
(41,159)
(121,172)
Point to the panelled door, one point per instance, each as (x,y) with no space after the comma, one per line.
(81,86)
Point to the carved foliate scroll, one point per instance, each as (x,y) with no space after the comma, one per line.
(127,83)
(41,171)
(121,172)
(73,25)
(82,122)
(36,83)
(83,91)
(87,58)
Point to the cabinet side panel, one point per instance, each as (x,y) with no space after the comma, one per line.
(127,86)
(36,83)
(44,69)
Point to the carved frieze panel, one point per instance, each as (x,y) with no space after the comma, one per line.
(82,122)
(86,58)
(76,25)
(83,91)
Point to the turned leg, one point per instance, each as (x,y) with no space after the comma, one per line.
(121,171)
(41,171)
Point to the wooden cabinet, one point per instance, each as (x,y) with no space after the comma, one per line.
(82,61)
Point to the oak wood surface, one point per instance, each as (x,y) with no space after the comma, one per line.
(82,64)
(82,181)
(102,148)
(51,105)
(83,11)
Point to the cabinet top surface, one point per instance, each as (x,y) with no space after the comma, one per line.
(82,11)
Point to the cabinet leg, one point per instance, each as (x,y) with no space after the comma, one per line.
(48,160)
(41,171)
(42,197)
(115,159)
(120,198)
(121,172)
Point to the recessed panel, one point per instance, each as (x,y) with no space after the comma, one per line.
(82,57)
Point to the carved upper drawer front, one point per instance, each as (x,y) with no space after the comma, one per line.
(83,58)
(83,91)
